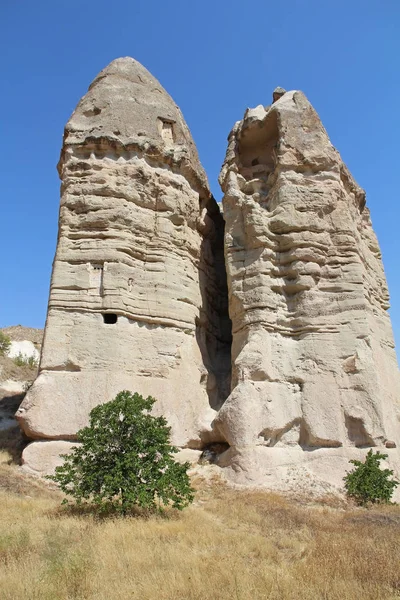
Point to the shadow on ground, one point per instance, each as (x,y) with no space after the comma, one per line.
(12,440)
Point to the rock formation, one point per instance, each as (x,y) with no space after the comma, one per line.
(300,375)
(314,371)
(138,289)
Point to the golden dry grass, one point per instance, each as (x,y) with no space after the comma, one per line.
(228,545)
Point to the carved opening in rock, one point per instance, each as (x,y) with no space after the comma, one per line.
(357,433)
(110,318)
(167,131)
(257,151)
(96,276)
(257,143)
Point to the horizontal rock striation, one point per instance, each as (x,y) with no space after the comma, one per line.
(313,357)
(138,296)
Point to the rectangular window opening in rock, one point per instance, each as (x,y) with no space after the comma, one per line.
(167,131)
(96,276)
(110,318)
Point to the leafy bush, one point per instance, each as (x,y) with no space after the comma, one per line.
(5,344)
(125,459)
(368,482)
(22,360)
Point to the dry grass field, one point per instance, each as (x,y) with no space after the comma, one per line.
(228,545)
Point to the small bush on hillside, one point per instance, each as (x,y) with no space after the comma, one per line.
(5,344)
(368,482)
(125,459)
(22,360)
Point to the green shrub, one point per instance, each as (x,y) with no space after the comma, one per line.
(5,344)
(22,360)
(125,459)
(368,482)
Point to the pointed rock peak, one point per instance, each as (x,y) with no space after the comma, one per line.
(127,107)
(127,68)
(277,93)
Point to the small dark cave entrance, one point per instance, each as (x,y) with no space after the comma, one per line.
(212,452)
(110,318)
(214,326)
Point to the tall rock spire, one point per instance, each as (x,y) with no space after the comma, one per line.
(313,360)
(138,285)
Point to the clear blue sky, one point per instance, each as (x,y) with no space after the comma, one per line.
(215,58)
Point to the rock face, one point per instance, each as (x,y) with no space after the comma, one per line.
(300,374)
(314,371)
(138,290)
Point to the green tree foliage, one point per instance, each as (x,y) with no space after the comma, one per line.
(368,482)
(5,344)
(125,459)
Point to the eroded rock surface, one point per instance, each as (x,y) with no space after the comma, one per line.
(313,358)
(138,296)
(143,276)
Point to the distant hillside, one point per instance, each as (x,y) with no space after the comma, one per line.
(9,369)
(19,333)
(15,378)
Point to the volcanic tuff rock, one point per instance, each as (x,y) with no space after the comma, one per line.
(313,360)
(140,292)
(138,285)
